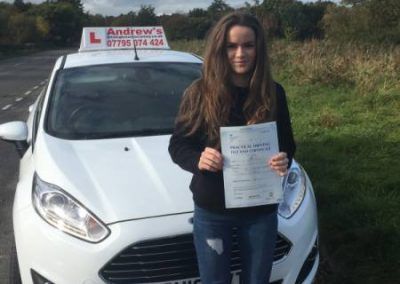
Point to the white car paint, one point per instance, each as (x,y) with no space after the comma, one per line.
(14,131)
(116,179)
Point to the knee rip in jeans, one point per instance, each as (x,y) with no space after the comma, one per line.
(217,245)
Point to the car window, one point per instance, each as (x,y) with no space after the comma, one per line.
(118,100)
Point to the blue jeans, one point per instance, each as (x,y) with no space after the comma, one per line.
(213,241)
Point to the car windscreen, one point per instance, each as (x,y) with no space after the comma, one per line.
(118,100)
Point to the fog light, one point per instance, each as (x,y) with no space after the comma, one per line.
(39,279)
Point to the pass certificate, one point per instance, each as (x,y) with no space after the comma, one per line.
(248,180)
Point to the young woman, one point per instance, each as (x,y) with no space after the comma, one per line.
(236,88)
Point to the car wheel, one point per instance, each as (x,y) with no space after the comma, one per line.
(14,276)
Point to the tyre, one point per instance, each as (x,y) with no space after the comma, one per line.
(14,276)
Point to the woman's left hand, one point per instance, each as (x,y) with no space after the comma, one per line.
(279,163)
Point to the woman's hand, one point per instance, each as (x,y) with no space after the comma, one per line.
(210,160)
(279,163)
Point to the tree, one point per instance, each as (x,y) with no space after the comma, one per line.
(197,13)
(65,21)
(20,5)
(22,28)
(277,6)
(276,11)
(291,18)
(124,20)
(75,3)
(217,9)
(43,28)
(385,14)
(178,26)
(353,2)
(94,21)
(5,12)
(372,21)
(146,16)
(303,21)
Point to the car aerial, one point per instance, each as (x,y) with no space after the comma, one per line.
(98,198)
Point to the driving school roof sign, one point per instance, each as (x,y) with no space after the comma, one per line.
(103,38)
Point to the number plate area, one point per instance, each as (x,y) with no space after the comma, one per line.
(235,279)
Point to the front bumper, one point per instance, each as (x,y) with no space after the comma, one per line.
(302,230)
(63,259)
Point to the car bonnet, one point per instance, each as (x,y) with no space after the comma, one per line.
(116,179)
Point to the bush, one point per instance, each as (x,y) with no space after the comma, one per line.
(373,21)
(366,68)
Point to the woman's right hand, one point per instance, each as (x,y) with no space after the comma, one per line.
(210,160)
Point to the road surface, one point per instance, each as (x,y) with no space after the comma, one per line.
(21,80)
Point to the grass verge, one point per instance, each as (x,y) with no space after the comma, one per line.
(349,147)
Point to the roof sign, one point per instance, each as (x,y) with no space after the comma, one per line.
(104,38)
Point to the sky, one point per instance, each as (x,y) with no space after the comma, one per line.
(117,7)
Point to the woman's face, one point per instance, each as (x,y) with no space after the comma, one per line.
(241,49)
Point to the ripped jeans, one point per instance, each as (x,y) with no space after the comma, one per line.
(213,241)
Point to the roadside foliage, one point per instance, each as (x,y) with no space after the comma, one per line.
(60,22)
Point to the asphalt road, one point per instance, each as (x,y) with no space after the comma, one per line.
(21,80)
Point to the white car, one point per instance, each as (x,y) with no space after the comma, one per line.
(98,198)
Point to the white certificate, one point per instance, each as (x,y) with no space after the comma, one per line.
(248,180)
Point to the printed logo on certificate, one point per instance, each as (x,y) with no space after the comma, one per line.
(248,180)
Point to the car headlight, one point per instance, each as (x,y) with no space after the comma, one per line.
(65,213)
(294,189)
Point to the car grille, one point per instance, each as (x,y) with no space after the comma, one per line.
(168,259)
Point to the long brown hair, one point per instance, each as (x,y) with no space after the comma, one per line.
(206,104)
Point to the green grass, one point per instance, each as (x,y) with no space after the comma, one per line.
(349,145)
(347,131)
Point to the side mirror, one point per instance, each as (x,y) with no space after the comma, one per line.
(17,133)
